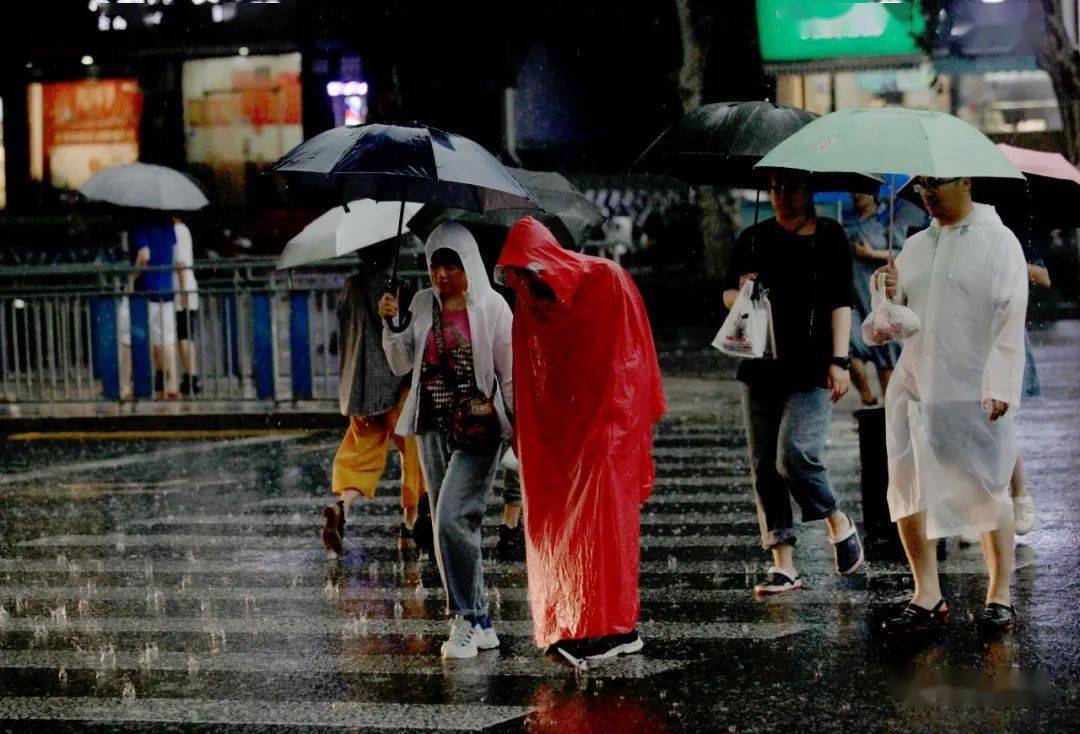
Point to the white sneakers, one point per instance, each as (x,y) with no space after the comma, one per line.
(467,639)
(1023,514)
(486,639)
(462,642)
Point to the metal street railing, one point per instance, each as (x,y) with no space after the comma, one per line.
(82,333)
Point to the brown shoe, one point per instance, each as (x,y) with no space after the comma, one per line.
(333,526)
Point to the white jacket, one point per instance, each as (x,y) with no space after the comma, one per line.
(968,284)
(490,322)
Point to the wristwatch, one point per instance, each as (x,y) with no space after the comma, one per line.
(843,363)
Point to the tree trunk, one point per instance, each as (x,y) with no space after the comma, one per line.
(695,26)
(1061,60)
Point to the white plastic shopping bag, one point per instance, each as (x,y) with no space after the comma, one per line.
(745,331)
(887,321)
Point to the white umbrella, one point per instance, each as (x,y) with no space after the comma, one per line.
(144,186)
(338,232)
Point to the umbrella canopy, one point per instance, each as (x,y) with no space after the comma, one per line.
(894,139)
(144,186)
(338,232)
(719,144)
(410,162)
(566,212)
(1050,199)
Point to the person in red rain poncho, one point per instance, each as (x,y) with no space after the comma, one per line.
(589,394)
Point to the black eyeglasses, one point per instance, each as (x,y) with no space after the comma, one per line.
(781,188)
(932,184)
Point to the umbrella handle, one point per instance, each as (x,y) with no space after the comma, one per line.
(406,319)
(404,294)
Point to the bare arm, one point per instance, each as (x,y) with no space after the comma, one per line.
(1038,275)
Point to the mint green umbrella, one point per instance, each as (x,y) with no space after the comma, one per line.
(892,139)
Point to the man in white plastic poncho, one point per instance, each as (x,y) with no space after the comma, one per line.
(950,404)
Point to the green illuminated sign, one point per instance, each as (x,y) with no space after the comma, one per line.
(800,30)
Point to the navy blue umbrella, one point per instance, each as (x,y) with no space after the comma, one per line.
(406,162)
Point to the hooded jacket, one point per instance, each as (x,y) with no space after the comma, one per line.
(968,284)
(588,395)
(490,322)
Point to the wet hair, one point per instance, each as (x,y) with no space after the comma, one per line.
(445,257)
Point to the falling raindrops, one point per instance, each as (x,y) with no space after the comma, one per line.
(82,607)
(249,603)
(59,615)
(148,570)
(192,665)
(63,675)
(672,563)
(149,656)
(20,604)
(204,609)
(107,657)
(398,609)
(61,561)
(185,582)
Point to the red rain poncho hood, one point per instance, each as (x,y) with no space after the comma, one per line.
(589,393)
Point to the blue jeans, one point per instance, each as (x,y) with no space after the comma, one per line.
(786,434)
(458,483)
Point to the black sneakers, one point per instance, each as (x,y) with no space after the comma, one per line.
(333,526)
(595,648)
(511,545)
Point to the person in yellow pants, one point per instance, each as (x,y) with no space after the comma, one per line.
(371,396)
(361,460)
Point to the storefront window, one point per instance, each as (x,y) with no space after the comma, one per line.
(78,128)
(240,114)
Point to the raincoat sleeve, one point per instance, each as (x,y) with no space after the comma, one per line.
(400,350)
(1003,373)
(504,356)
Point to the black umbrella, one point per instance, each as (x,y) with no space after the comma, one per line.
(566,212)
(407,162)
(718,144)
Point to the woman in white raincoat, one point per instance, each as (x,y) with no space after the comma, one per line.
(457,345)
(950,437)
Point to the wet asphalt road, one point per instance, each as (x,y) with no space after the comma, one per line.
(180,585)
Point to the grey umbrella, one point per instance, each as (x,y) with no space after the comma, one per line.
(566,211)
(144,186)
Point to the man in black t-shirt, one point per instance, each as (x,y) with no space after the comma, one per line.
(803,263)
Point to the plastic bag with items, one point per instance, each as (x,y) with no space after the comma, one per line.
(746,331)
(888,321)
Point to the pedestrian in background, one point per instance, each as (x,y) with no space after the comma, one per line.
(372,397)
(804,262)
(457,351)
(151,245)
(186,298)
(869,239)
(588,396)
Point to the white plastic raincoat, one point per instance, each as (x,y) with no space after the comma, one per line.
(968,284)
(490,322)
